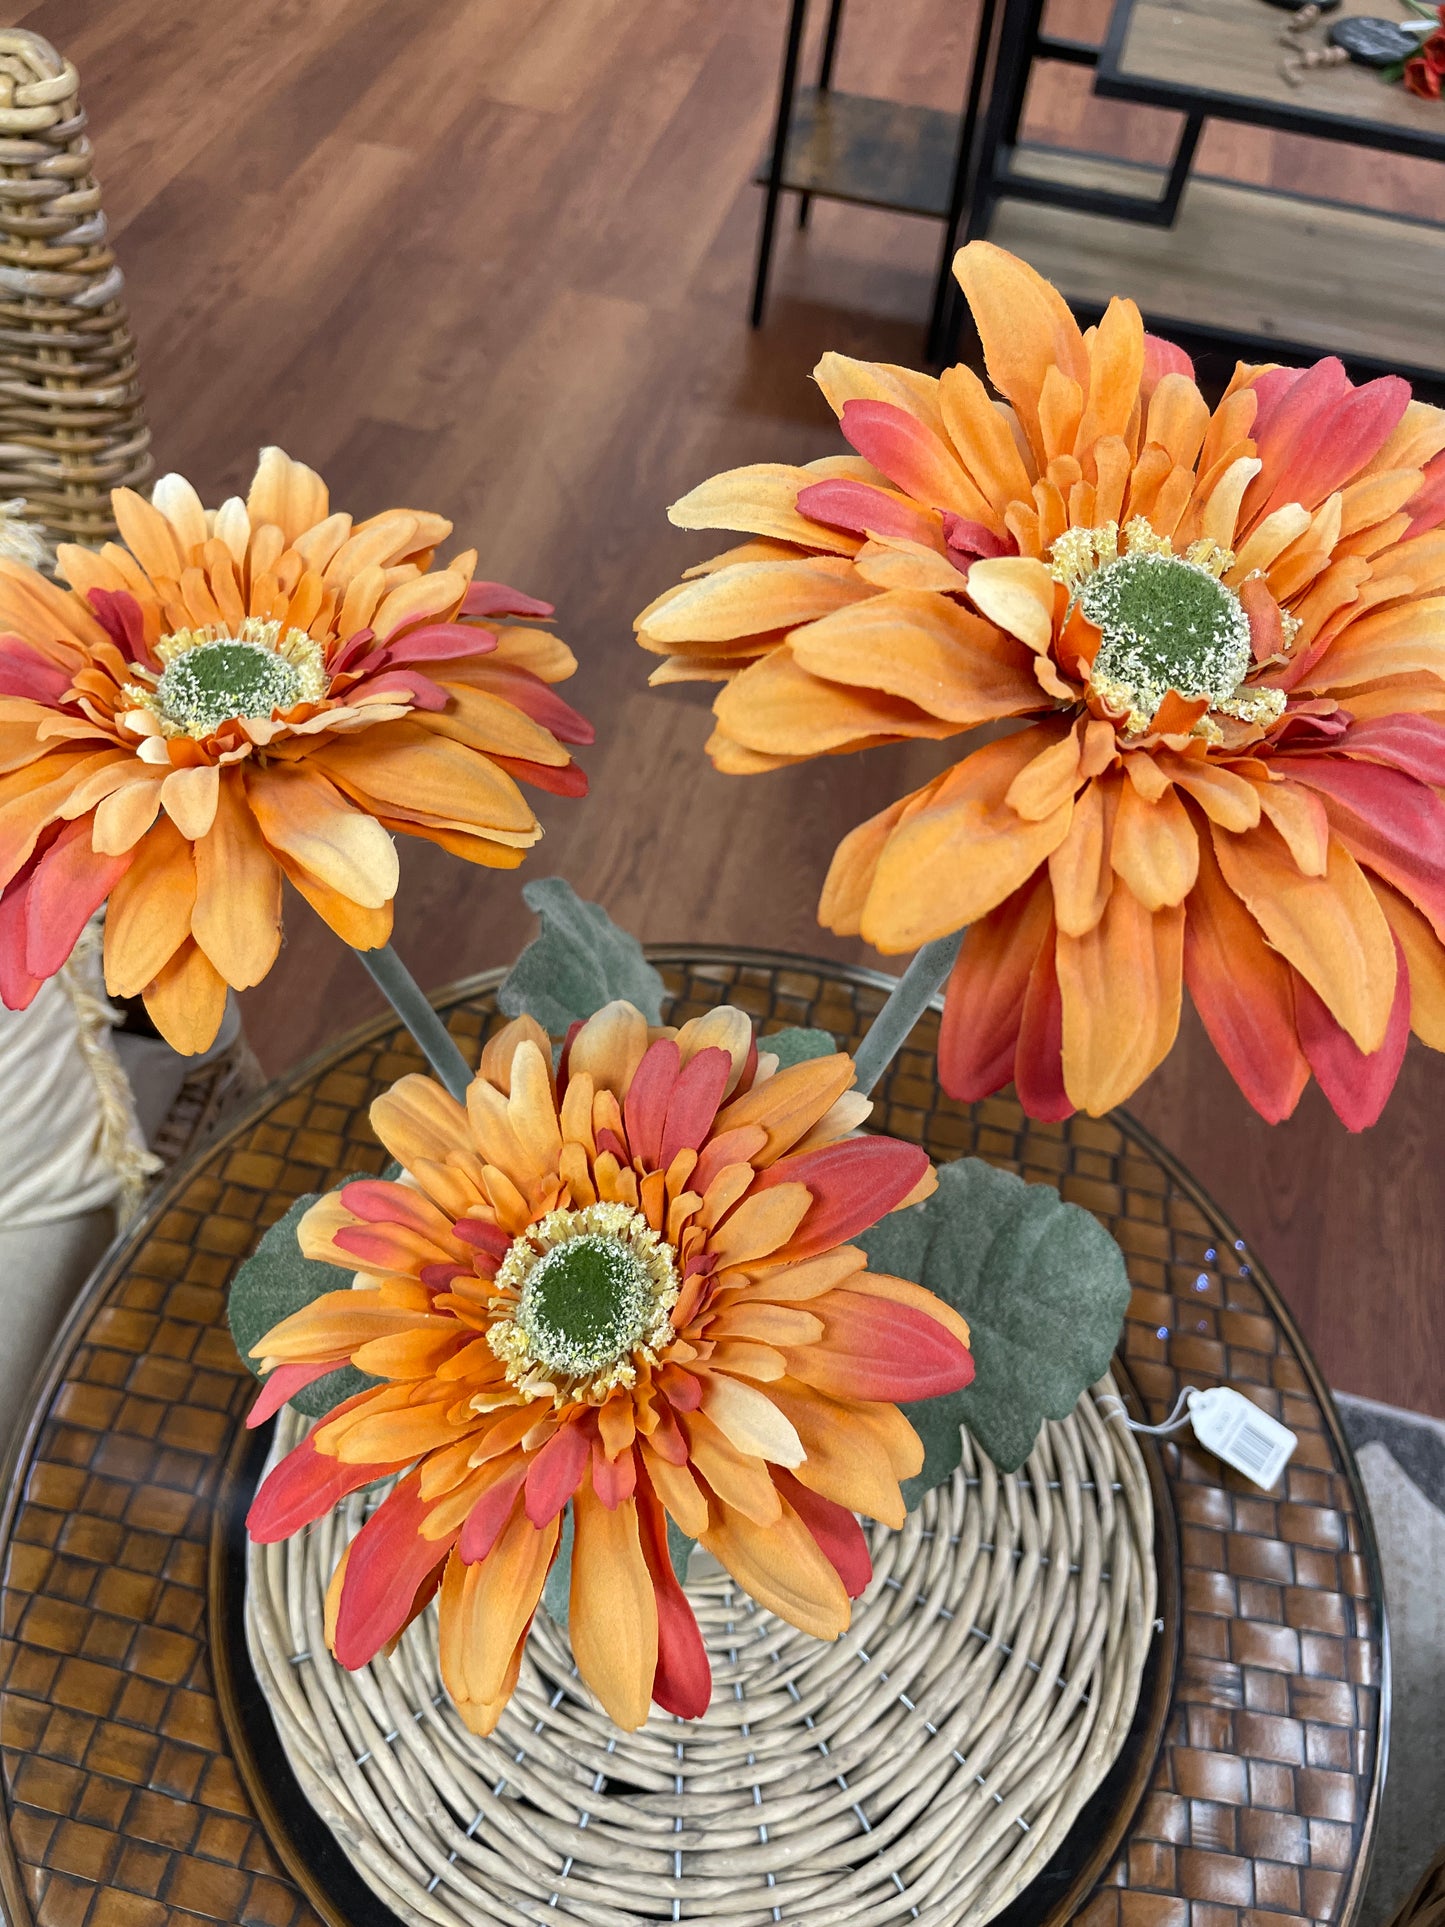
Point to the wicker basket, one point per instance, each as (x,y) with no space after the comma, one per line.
(71,421)
(925,1767)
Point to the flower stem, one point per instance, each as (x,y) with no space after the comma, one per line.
(907,1001)
(412,1005)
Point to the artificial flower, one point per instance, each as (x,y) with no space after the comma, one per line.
(1424,72)
(246,693)
(1214,643)
(630,1287)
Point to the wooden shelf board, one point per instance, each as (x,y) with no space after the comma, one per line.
(874,153)
(1242,260)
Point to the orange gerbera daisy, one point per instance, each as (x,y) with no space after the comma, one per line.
(1226,634)
(629,1287)
(235,695)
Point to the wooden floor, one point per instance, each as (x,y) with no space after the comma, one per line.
(492,257)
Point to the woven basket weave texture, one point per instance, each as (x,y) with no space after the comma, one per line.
(71,421)
(923,1768)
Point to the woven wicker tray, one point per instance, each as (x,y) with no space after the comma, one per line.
(927,1766)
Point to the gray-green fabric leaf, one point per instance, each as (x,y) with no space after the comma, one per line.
(277,1280)
(579,962)
(796,1046)
(1043,1287)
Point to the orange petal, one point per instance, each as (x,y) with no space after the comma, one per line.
(760,500)
(1331,928)
(1079,869)
(416,1118)
(1120,985)
(1155,848)
(952,860)
(149,917)
(304,820)
(782,1567)
(1016,592)
(1116,368)
(187,1000)
(1024,325)
(237,918)
(924,650)
(613,1615)
(1425,957)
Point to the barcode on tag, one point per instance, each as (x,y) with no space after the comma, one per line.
(1241,1434)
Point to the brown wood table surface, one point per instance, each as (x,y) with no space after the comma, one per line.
(123,1802)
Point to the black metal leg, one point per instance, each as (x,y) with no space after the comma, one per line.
(1017,33)
(786,89)
(1179,169)
(962,173)
(825,81)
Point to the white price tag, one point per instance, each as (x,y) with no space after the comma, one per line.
(1235,1430)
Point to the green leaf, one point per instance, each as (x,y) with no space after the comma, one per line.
(275,1281)
(1043,1287)
(580,962)
(797,1046)
(557,1592)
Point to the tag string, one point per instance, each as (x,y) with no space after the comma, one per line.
(1176,1420)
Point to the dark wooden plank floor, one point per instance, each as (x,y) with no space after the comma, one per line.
(492,257)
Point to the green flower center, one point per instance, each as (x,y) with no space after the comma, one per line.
(210,685)
(209,676)
(586,1305)
(581,1298)
(1167,623)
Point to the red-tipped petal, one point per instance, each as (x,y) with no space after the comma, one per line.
(839,1536)
(694,1103)
(1162,358)
(854,1184)
(1394,825)
(491,1512)
(482,1235)
(284,1383)
(25,672)
(1414,744)
(555,1472)
(533,697)
(1242,991)
(496,599)
(974,541)
(865,510)
(304,1486)
(644,1110)
(408,685)
(984,1004)
(566,779)
(437,642)
(119,614)
(682,1684)
(1356,1085)
(1039,1056)
(70,883)
(17,984)
(390,1561)
(900,447)
(613,1480)
(876,1348)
